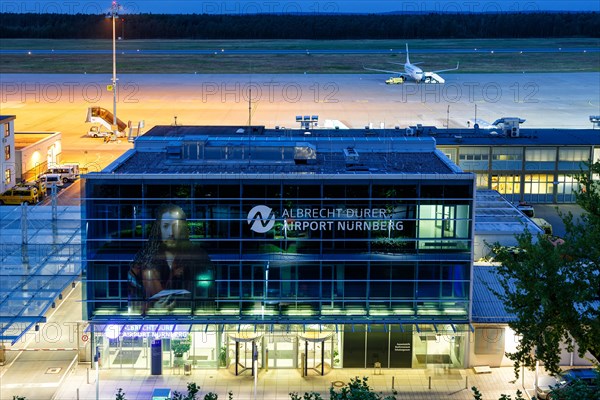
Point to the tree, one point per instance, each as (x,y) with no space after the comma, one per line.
(552,288)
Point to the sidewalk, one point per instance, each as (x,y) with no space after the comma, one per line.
(276,384)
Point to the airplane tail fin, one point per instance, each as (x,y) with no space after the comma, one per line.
(407,60)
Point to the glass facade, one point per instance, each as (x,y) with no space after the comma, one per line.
(536,174)
(280,250)
(326,274)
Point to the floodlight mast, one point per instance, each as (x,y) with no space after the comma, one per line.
(114,14)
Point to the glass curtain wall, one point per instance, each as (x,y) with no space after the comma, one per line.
(271,250)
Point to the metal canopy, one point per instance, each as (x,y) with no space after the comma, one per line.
(39,258)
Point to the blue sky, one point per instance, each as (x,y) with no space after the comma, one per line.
(285,6)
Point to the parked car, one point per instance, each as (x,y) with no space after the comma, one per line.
(546,390)
(544,386)
(18,195)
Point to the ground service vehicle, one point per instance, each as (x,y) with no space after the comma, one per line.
(67,173)
(96,132)
(542,223)
(526,209)
(51,180)
(395,80)
(40,186)
(18,195)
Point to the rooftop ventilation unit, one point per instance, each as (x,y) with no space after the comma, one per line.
(305,153)
(351,156)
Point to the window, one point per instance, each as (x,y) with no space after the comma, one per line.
(539,184)
(6,130)
(7,152)
(540,154)
(507,154)
(474,154)
(506,184)
(7,176)
(575,154)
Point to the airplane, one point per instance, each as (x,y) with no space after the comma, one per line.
(413,72)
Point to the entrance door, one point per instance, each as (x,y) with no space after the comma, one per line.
(315,355)
(282,351)
(243,353)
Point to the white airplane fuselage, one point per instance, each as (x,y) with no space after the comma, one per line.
(413,71)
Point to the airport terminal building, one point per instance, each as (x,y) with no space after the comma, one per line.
(211,246)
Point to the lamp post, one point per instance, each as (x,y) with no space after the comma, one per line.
(114,14)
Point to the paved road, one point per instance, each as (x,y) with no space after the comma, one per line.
(39,362)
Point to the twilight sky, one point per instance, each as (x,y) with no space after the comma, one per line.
(286,6)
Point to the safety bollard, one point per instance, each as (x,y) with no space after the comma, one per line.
(393,377)
(429,383)
(77,394)
(466,382)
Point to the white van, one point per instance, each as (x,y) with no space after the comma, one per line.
(67,173)
(51,180)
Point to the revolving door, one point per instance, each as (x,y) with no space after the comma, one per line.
(315,352)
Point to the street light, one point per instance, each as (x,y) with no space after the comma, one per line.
(114,14)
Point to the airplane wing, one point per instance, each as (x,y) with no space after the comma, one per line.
(444,70)
(397,63)
(386,71)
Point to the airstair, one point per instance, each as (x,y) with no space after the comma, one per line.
(99,115)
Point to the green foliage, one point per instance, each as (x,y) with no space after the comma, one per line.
(120,394)
(180,346)
(476,393)
(357,389)
(321,26)
(211,396)
(19,398)
(192,390)
(478,396)
(307,396)
(552,290)
(230,395)
(223,356)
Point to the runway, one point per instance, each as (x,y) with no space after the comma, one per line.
(514,50)
(55,102)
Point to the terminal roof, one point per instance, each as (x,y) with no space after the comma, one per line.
(256,150)
(443,136)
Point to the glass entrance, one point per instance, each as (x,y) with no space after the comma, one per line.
(315,353)
(244,353)
(438,350)
(282,351)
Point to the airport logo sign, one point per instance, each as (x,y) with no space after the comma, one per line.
(261,219)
